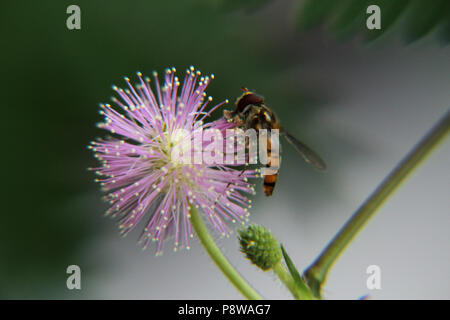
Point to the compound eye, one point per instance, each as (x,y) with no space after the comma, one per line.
(248,98)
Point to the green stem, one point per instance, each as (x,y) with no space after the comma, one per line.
(218,257)
(316,274)
(286,278)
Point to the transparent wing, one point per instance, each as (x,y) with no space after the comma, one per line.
(307,154)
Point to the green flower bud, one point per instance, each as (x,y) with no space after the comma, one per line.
(260,246)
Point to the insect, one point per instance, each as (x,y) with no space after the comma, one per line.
(251,112)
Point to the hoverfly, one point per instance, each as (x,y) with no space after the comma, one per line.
(252,113)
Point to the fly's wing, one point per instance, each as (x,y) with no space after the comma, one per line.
(307,154)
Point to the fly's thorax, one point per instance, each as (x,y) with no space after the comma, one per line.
(259,117)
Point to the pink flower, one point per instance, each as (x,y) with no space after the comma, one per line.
(140,174)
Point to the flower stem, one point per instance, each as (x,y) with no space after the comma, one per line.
(219,259)
(316,274)
(289,282)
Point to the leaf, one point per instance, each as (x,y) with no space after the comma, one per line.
(424,17)
(301,285)
(249,6)
(391,11)
(350,18)
(347,18)
(313,12)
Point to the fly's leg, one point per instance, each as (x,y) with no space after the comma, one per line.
(240,174)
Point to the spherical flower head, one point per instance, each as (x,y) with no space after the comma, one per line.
(260,246)
(143,178)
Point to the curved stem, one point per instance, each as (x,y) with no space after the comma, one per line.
(316,274)
(219,259)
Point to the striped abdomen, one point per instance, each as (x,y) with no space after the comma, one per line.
(272,167)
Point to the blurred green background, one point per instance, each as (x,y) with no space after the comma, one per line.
(53,79)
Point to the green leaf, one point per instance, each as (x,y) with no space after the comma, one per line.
(390,12)
(350,18)
(301,285)
(347,18)
(249,6)
(424,17)
(313,12)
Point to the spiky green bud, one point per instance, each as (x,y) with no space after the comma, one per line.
(260,246)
